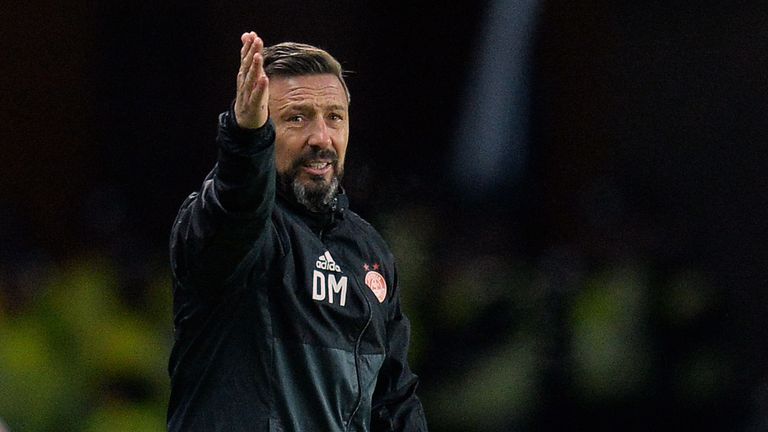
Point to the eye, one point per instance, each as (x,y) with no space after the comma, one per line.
(296,118)
(336,117)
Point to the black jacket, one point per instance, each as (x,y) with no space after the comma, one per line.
(277,325)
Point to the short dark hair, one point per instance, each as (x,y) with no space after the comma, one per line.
(296,59)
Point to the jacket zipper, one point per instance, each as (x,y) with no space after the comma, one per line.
(334,206)
(357,355)
(321,233)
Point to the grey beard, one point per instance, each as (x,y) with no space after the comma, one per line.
(316,197)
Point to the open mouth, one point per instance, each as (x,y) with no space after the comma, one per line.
(316,167)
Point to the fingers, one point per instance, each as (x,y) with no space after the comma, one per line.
(261,81)
(251,109)
(246,46)
(245,59)
(247,39)
(254,62)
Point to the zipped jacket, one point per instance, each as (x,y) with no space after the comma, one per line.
(284,319)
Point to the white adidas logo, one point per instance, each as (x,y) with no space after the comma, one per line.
(326,262)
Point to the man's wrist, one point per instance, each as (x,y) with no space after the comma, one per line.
(244,140)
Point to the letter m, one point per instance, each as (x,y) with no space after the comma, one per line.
(338,287)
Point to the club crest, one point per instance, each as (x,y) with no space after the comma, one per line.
(377,284)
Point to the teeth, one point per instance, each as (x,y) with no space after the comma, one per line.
(317,165)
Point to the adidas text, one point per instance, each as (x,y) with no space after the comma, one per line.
(326,262)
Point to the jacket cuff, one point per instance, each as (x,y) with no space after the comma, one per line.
(242,141)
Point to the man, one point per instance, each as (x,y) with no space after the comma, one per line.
(286,303)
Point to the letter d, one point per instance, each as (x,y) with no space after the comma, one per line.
(318,286)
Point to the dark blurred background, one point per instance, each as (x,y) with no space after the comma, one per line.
(575,193)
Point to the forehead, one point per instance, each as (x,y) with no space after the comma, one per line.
(324,89)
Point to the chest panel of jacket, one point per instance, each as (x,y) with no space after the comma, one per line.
(321,298)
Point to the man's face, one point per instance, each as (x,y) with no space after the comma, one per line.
(311,116)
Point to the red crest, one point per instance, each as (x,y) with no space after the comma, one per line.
(377,284)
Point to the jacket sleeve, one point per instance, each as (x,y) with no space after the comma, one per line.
(395,407)
(217,226)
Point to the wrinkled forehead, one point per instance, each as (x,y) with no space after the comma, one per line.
(321,90)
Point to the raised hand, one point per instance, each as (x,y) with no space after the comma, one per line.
(252,100)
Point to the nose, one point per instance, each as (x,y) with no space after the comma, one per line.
(319,135)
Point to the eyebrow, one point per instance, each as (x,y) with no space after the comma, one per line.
(309,107)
